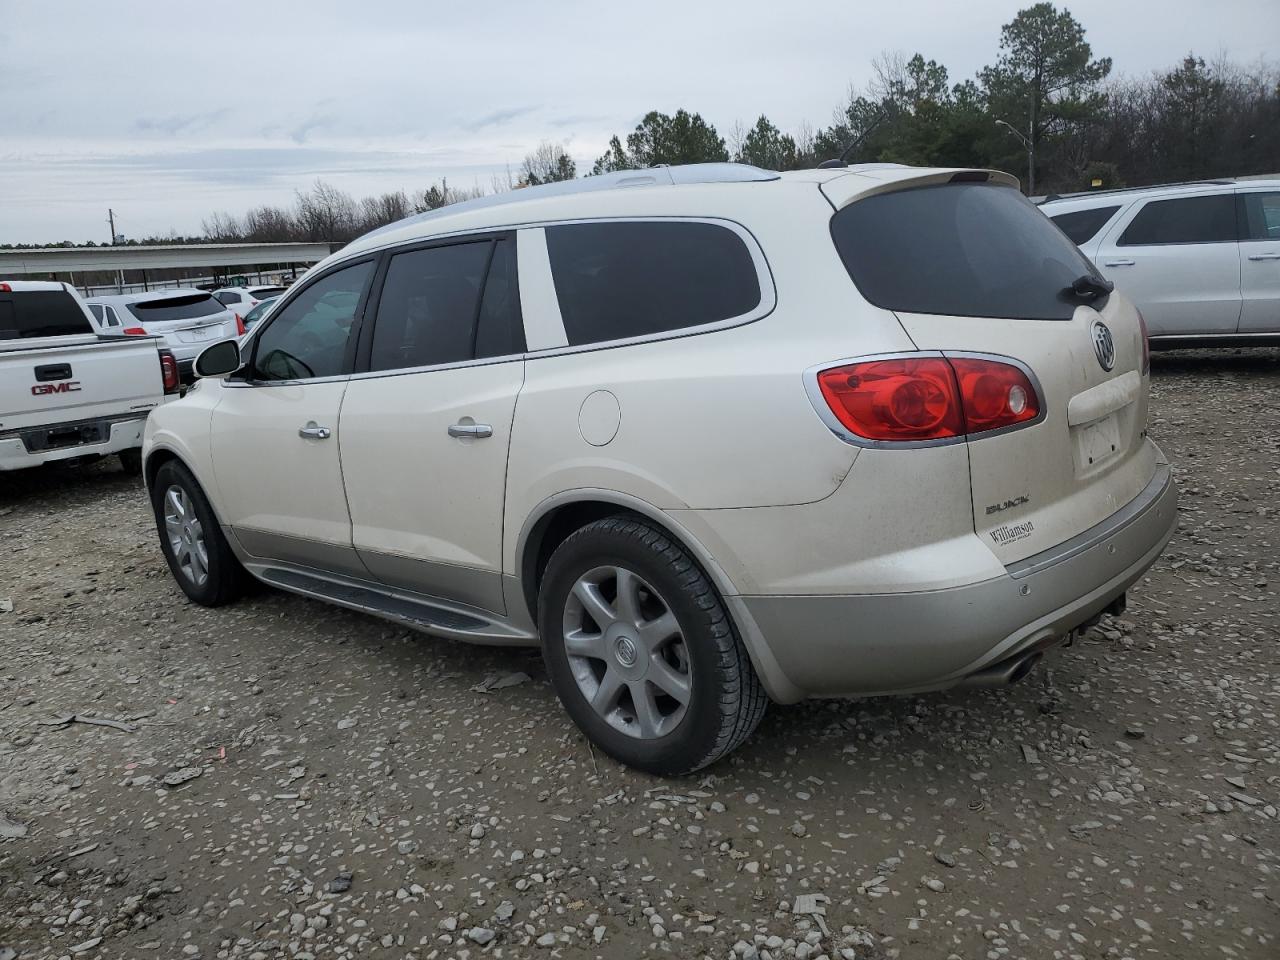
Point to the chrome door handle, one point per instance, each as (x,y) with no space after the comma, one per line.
(1264,256)
(312,431)
(1118,263)
(479,430)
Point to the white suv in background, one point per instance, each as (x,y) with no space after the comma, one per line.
(710,434)
(1200,260)
(186,320)
(243,299)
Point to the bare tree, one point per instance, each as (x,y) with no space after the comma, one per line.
(383,209)
(326,213)
(549,163)
(269,224)
(223,227)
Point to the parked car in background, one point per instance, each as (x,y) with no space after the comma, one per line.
(251,318)
(711,434)
(1200,260)
(67,393)
(244,299)
(187,320)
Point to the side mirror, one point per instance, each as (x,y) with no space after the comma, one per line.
(218,360)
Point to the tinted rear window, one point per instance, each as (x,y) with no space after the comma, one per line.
(963,249)
(261,293)
(190,307)
(1083,225)
(1183,220)
(632,279)
(41,313)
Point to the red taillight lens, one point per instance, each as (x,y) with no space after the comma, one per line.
(928,398)
(1146,342)
(5,288)
(994,394)
(169,372)
(239,326)
(908,399)
(134,332)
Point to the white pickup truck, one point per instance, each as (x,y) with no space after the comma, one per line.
(66,392)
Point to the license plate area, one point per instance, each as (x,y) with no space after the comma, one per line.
(1096,443)
(58,438)
(199,335)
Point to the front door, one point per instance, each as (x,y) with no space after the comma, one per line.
(1178,259)
(1260,261)
(275,429)
(426,424)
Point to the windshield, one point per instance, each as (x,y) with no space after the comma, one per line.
(963,249)
(40,313)
(189,307)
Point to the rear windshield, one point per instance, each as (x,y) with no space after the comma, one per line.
(41,313)
(189,307)
(963,249)
(1083,225)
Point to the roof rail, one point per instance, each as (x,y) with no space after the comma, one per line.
(663,175)
(1150,186)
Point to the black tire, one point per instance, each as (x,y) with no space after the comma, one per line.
(131,462)
(726,700)
(226,580)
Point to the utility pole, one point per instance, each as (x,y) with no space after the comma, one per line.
(1031,154)
(111,219)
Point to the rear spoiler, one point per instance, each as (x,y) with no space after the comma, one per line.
(842,191)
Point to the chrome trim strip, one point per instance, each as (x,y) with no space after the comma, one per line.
(1160,482)
(814,392)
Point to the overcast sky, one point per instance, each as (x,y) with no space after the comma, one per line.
(168,111)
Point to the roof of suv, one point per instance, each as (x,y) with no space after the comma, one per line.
(1121,195)
(148,295)
(563,200)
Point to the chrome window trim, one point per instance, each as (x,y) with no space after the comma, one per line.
(833,424)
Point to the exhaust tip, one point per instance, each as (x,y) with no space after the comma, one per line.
(1024,666)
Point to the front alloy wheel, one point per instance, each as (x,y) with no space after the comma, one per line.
(186,536)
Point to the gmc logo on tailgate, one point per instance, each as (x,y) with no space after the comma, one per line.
(44,389)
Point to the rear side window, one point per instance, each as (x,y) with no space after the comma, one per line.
(447,304)
(1183,220)
(962,249)
(1262,215)
(41,313)
(1083,225)
(632,279)
(190,307)
(227,297)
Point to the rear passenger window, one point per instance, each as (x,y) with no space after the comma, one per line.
(1262,215)
(1183,220)
(27,314)
(632,279)
(1083,225)
(437,308)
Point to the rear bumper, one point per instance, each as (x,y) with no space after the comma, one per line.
(867,644)
(120,435)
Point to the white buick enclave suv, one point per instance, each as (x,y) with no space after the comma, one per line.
(710,434)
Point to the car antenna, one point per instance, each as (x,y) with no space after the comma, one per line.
(840,162)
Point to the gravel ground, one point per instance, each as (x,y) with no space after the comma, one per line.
(293,780)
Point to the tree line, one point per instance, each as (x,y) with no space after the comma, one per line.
(1048,110)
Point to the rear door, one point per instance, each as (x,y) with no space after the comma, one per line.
(973,268)
(1178,259)
(426,426)
(1259,260)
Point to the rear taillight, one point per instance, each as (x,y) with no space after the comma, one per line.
(5,288)
(134,332)
(239,326)
(169,372)
(1146,342)
(928,398)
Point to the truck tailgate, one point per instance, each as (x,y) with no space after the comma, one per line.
(65,379)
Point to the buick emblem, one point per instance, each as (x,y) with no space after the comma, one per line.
(1103,345)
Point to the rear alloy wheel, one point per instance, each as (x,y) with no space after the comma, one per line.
(641,650)
(198,555)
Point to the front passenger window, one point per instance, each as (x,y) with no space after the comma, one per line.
(308,337)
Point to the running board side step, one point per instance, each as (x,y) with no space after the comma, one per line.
(417,613)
